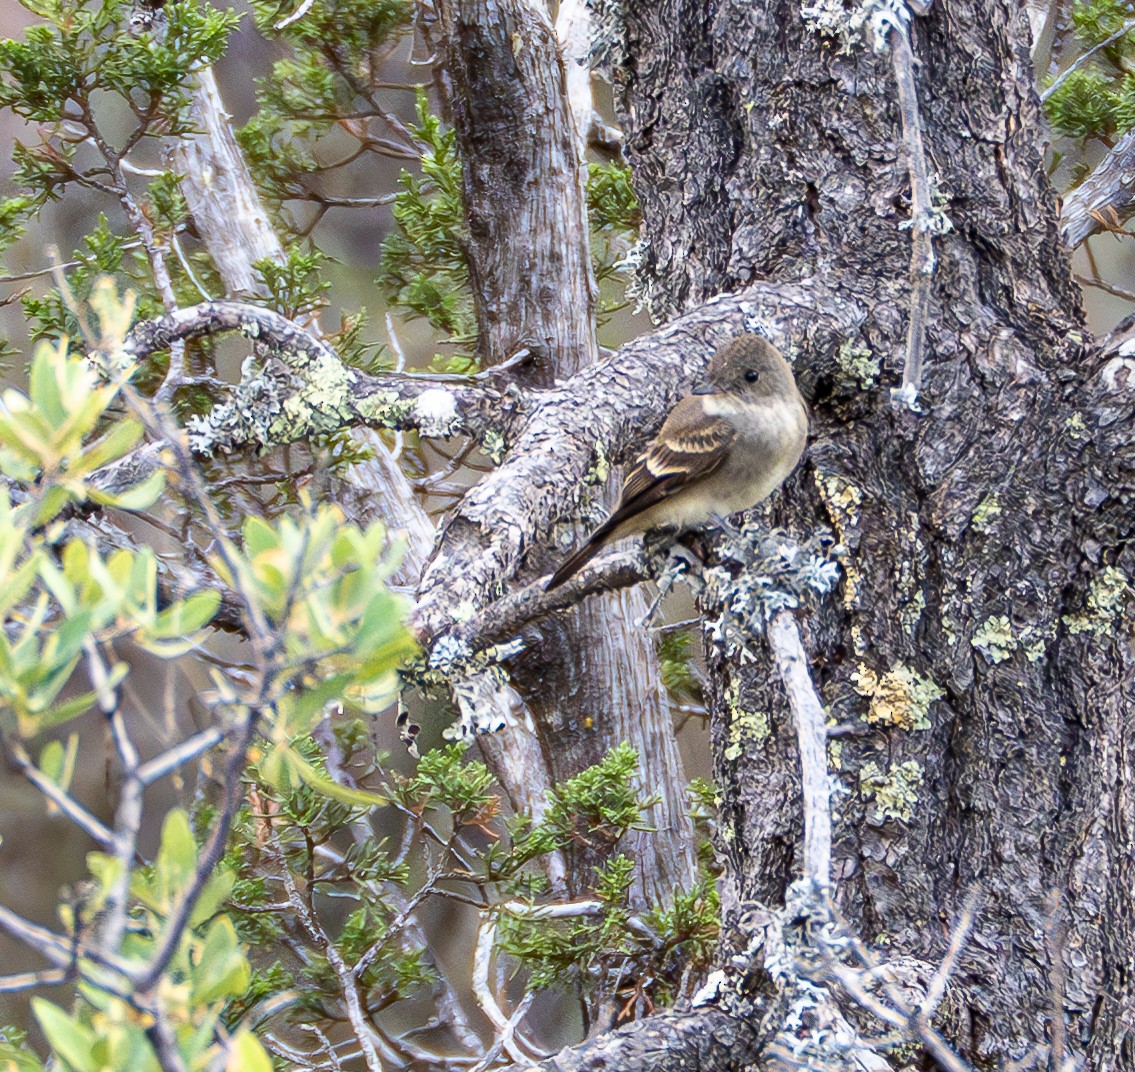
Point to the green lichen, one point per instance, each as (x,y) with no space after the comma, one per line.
(901,697)
(1108,594)
(492,444)
(385,408)
(994,639)
(601,470)
(1034,641)
(324,404)
(1076,427)
(744,726)
(835,754)
(895,792)
(859,363)
(987,511)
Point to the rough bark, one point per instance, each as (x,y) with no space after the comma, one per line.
(761,151)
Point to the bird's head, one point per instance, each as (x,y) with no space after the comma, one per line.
(749,367)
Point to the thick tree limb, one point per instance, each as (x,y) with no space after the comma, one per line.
(524,176)
(313,392)
(1105,200)
(501,620)
(700,1040)
(603,413)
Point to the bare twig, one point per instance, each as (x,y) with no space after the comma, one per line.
(348,980)
(128,813)
(163,1039)
(29,980)
(958,939)
(166,945)
(67,804)
(1123,31)
(189,749)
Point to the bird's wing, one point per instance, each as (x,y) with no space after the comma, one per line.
(689,446)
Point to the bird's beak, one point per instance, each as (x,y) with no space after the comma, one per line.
(703,387)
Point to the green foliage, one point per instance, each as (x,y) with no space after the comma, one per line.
(675,658)
(611,202)
(614,218)
(15,1054)
(297,286)
(81,49)
(103,254)
(344,32)
(1098,99)
(611,949)
(208,968)
(320,91)
(424,268)
(52,441)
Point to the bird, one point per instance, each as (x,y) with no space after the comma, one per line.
(724,447)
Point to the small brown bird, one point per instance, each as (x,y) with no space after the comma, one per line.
(724,448)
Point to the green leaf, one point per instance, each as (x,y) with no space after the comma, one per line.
(70,1040)
(321,783)
(216,891)
(222,970)
(110,447)
(58,763)
(139,497)
(187,615)
(177,859)
(247,1055)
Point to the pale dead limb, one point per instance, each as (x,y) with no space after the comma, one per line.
(811,736)
(505,1026)
(892,27)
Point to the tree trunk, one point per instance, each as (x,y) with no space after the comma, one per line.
(589,680)
(986,556)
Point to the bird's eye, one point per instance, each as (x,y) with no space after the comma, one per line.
(752,376)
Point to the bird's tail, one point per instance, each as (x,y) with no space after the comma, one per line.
(574,564)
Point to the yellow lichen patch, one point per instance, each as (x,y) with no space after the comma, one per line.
(895,792)
(994,638)
(986,513)
(842,499)
(745,726)
(901,697)
(1075,427)
(1108,594)
(385,408)
(859,363)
